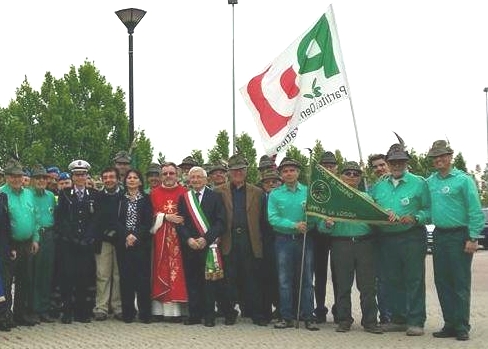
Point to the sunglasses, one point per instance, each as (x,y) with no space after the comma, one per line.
(168,173)
(351,173)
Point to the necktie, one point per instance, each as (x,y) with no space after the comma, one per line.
(198,194)
(79,193)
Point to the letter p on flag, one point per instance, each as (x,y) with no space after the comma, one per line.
(310,67)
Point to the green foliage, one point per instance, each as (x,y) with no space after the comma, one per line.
(161,158)
(197,156)
(317,150)
(141,151)
(245,146)
(460,163)
(294,153)
(220,152)
(420,164)
(76,116)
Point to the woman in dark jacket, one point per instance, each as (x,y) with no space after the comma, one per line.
(134,249)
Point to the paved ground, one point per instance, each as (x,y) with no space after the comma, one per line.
(114,334)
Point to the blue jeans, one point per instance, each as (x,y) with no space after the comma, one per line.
(288,262)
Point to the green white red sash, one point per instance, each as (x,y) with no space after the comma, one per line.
(196,212)
(214,269)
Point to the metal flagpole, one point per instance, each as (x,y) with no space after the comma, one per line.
(297,324)
(234,148)
(348,89)
(361,162)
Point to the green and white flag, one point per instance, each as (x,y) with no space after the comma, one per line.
(329,197)
(304,80)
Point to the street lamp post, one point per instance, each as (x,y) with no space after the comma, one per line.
(131,17)
(234,146)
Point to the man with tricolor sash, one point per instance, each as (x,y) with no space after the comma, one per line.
(203,224)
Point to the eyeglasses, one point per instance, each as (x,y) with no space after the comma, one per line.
(168,173)
(351,173)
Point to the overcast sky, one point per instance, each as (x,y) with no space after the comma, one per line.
(414,67)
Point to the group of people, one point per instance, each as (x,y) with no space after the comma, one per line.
(196,245)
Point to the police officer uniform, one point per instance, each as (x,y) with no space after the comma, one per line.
(76,218)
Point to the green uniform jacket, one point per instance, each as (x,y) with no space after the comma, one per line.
(22,214)
(286,208)
(409,197)
(456,202)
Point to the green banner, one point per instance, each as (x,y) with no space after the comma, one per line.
(329,197)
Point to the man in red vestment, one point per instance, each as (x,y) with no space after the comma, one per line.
(168,278)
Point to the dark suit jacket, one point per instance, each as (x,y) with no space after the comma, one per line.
(253,208)
(77,221)
(213,208)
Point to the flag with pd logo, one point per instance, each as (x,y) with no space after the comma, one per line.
(329,197)
(304,80)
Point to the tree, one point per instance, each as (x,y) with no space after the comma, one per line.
(141,151)
(460,163)
(221,149)
(245,147)
(295,154)
(197,156)
(318,150)
(79,116)
(161,158)
(420,164)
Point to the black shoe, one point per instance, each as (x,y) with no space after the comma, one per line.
(83,319)
(231,318)
(157,318)
(444,333)
(34,318)
(128,319)
(343,327)
(175,319)
(209,323)
(374,328)
(4,327)
(46,318)
(9,319)
(192,321)
(284,324)
(311,325)
(260,322)
(24,321)
(119,316)
(275,315)
(462,336)
(66,318)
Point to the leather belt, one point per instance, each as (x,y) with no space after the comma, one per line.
(291,236)
(450,230)
(353,238)
(239,230)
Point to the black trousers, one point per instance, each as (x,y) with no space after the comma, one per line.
(202,294)
(135,279)
(269,277)
(242,274)
(77,284)
(322,247)
(355,259)
(23,273)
